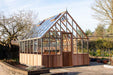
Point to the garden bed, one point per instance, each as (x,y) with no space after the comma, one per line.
(16,68)
(99,60)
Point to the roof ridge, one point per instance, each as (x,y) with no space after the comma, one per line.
(52,16)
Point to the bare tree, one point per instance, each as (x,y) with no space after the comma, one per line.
(100,30)
(16,26)
(104,12)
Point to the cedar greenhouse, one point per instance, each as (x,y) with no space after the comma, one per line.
(59,41)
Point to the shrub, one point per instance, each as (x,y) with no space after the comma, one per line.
(98,52)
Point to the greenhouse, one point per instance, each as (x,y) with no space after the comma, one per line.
(59,41)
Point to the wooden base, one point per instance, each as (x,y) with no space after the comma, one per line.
(54,60)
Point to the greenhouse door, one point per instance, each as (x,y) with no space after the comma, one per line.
(67,49)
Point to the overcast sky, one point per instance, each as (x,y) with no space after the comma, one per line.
(80,10)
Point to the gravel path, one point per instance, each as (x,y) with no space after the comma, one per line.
(94,69)
(2,73)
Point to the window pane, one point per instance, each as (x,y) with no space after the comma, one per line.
(31,46)
(39,46)
(74,46)
(35,45)
(45,46)
(79,46)
(26,46)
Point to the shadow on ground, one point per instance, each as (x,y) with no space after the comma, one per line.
(95,64)
(67,73)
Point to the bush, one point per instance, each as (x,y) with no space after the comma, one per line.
(9,53)
(98,52)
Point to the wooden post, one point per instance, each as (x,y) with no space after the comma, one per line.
(27,51)
(24,46)
(66,21)
(60,39)
(33,45)
(72,37)
(19,47)
(37,45)
(42,46)
(56,41)
(49,42)
(30,46)
(76,41)
(87,46)
(82,44)
(27,46)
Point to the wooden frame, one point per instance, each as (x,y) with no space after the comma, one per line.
(50,46)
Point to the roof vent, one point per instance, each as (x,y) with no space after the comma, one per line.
(56,17)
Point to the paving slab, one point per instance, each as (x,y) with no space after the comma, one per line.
(93,69)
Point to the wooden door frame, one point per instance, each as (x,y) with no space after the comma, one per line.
(62,45)
(62,40)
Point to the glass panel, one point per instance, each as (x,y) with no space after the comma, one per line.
(26,46)
(52,46)
(74,46)
(35,45)
(79,46)
(31,46)
(45,46)
(28,50)
(46,26)
(52,34)
(66,42)
(20,47)
(39,46)
(58,46)
(85,46)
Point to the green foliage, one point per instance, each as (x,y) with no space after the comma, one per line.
(108,44)
(99,31)
(92,45)
(101,47)
(93,53)
(110,29)
(88,32)
(85,50)
(98,52)
(99,44)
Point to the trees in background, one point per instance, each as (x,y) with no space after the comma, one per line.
(104,13)
(101,47)
(15,26)
(100,30)
(88,32)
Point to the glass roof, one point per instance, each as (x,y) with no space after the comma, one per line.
(42,27)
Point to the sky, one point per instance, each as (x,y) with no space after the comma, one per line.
(80,10)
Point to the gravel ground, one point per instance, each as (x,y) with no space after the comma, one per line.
(2,73)
(94,69)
